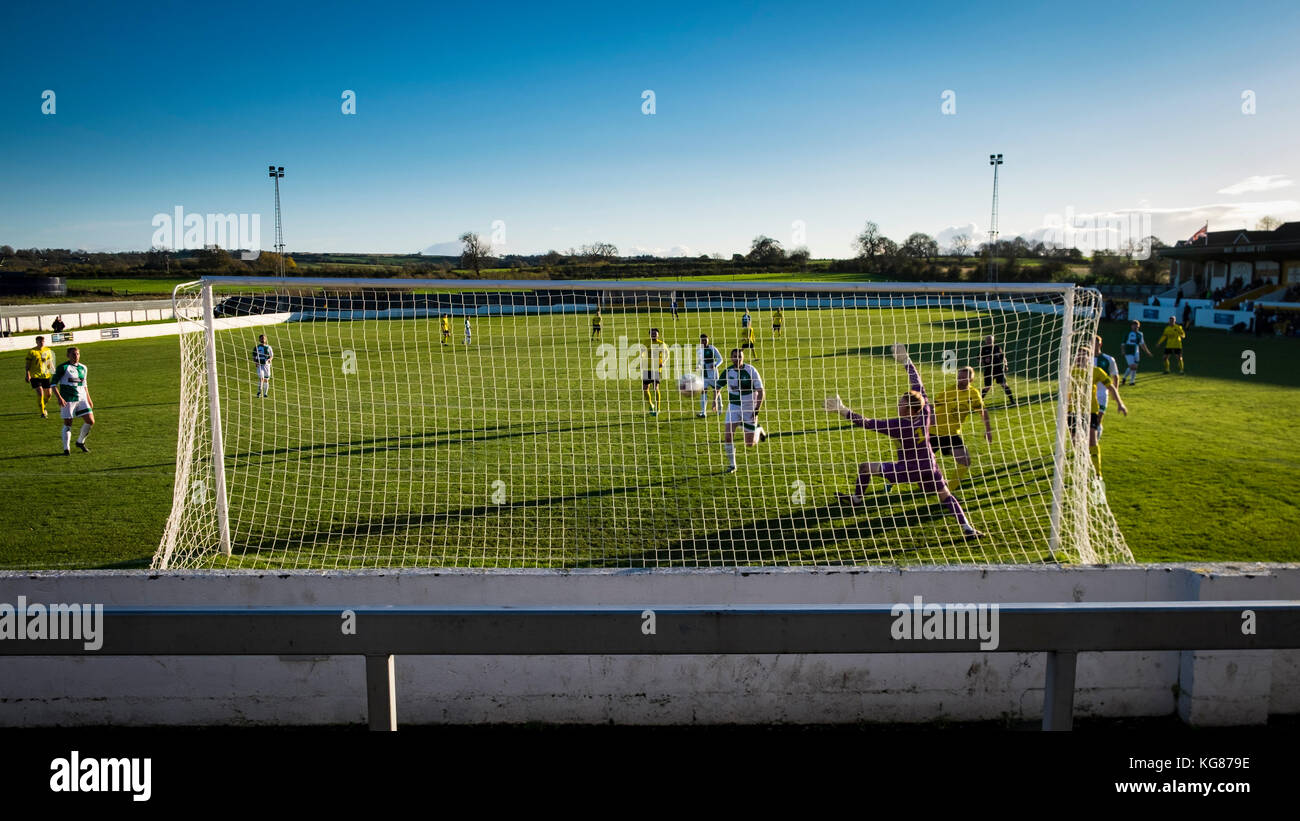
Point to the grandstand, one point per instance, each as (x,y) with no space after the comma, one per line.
(1239,279)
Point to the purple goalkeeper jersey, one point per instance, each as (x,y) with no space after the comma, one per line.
(912,433)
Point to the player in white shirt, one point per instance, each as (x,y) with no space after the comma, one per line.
(467,330)
(745,396)
(709,359)
(262,355)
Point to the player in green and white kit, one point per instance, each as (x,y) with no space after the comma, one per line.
(745,396)
(1134,343)
(709,360)
(74,399)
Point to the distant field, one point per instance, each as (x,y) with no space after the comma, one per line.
(1202,469)
(127,287)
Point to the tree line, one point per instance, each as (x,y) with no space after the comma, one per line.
(918,257)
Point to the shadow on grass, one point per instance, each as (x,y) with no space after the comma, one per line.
(926,353)
(379,525)
(411,441)
(803,536)
(141,563)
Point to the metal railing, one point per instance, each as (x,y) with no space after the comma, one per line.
(381,633)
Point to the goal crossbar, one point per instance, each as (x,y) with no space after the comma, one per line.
(654,286)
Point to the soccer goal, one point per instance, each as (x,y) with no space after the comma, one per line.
(426,423)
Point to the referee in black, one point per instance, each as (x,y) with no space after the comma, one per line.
(993,362)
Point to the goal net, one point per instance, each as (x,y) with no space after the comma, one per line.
(511,424)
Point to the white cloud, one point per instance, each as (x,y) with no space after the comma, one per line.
(675,251)
(970,229)
(1100,230)
(1265,182)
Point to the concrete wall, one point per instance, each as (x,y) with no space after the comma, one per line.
(16,319)
(22,343)
(1205,688)
(1222,320)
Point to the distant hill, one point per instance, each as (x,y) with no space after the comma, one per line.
(453,248)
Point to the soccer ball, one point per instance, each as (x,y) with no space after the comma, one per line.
(690,385)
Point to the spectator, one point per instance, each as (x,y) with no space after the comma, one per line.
(58,325)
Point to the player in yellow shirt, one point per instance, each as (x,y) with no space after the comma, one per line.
(1086,377)
(1172,339)
(40,367)
(951,407)
(747,339)
(656,353)
(446,329)
(595,325)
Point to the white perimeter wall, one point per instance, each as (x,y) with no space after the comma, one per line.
(37,318)
(1205,688)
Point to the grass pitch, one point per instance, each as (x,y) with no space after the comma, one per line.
(512,453)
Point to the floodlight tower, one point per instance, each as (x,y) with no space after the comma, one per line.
(277,173)
(994,160)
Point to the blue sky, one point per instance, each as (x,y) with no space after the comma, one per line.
(531,114)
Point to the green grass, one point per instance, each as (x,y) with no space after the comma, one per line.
(127,286)
(1204,467)
(395,464)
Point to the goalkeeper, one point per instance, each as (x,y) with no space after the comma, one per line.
(915,462)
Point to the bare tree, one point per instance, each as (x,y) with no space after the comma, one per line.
(600,250)
(1130,247)
(961,246)
(870,243)
(1268,224)
(476,250)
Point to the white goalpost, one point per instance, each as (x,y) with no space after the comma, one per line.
(522,423)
